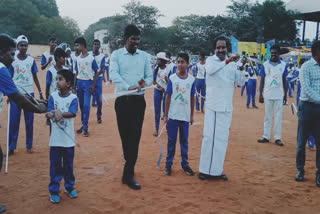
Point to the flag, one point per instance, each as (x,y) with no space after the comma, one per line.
(269,44)
(234,45)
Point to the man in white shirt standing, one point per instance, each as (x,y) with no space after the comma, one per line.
(273,87)
(221,76)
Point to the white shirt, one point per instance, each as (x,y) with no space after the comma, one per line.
(64,104)
(53,85)
(254,76)
(86,67)
(290,72)
(100,59)
(47,55)
(161,77)
(23,73)
(201,71)
(74,59)
(273,73)
(220,79)
(181,91)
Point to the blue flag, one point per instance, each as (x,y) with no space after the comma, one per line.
(234,45)
(269,45)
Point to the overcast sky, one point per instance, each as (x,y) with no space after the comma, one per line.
(90,11)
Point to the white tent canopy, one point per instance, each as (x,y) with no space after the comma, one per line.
(304,6)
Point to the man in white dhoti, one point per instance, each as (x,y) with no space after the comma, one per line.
(222,74)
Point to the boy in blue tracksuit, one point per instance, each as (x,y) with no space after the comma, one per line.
(101,61)
(160,79)
(252,88)
(179,112)
(87,73)
(24,73)
(201,82)
(62,109)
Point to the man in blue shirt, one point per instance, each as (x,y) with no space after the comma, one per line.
(309,111)
(130,69)
(7,86)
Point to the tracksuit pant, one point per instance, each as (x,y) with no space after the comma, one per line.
(251,92)
(130,115)
(173,127)
(61,166)
(97,97)
(158,97)
(244,87)
(290,86)
(201,89)
(15,114)
(309,123)
(84,97)
(273,107)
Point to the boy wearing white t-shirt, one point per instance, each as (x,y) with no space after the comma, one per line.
(179,112)
(86,73)
(101,61)
(62,109)
(201,82)
(160,79)
(273,85)
(24,73)
(47,59)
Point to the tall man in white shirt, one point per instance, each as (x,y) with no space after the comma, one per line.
(221,74)
(273,92)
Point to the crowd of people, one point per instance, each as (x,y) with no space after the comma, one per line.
(180,88)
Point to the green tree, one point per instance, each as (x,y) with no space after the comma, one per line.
(47,8)
(17,17)
(63,29)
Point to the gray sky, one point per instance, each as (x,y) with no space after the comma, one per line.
(90,11)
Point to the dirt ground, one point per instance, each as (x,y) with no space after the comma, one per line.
(261,177)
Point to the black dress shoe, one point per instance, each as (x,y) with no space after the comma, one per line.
(318,179)
(132,183)
(300,176)
(203,176)
(263,140)
(279,142)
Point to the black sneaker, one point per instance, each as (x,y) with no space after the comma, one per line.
(85,133)
(263,140)
(99,121)
(188,170)
(168,170)
(79,131)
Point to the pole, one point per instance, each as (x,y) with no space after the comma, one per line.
(8,127)
(317,32)
(304,30)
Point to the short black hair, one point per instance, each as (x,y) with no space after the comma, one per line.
(168,54)
(223,38)
(6,42)
(59,52)
(184,56)
(131,30)
(315,47)
(275,47)
(202,54)
(52,39)
(96,40)
(67,75)
(81,41)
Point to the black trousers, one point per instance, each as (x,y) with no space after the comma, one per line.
(130,115)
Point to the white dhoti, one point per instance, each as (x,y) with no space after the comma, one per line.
(215,141)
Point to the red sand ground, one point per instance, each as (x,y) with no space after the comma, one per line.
(261,177)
